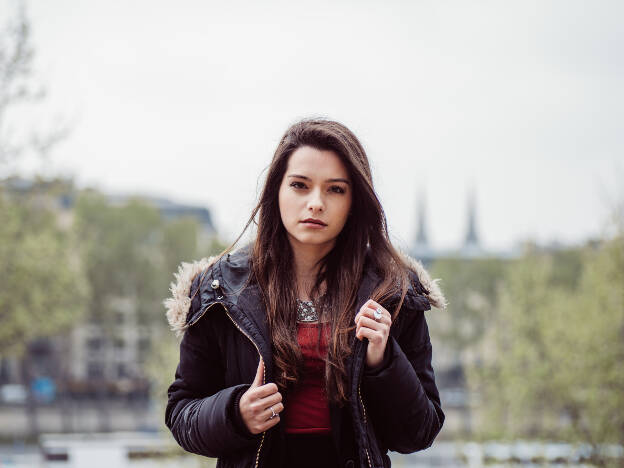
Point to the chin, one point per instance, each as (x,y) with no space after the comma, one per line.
(311,239)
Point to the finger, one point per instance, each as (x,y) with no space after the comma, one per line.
(370,312)
(386,320)
(368,304)
(370,315)
(270,399)
(259,409)
(266,414)
(372,335)
(269,423)
(380,331)
(374,324)
(264,391)
(261,425)
(259,378)
(372,306)
(364,306)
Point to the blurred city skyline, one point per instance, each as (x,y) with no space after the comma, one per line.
(519,101)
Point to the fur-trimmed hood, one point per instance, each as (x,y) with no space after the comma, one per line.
(178,305)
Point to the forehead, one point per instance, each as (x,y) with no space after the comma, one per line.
(316,164)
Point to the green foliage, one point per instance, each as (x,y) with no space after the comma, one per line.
(120,246)
(470,288)
(130,253)
(556,363)
(164,358)
(92,262)
(180,242)
(42,291)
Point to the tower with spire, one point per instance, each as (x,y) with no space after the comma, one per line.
(421,248)
(472,245)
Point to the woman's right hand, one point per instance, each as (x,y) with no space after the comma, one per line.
(255,404)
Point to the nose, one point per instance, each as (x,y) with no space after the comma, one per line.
(315,202)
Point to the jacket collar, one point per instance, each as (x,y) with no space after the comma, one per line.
(223,279)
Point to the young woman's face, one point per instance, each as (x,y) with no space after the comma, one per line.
(316,185)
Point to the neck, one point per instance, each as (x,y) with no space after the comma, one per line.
(306,257)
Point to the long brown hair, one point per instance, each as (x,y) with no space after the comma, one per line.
(271,258)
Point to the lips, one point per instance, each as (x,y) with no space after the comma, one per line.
(314,221)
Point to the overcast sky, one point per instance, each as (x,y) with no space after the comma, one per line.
(521,100)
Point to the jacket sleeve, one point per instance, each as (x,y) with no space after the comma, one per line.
(402,398)
(200,410)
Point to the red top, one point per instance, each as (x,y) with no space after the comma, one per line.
(307,411)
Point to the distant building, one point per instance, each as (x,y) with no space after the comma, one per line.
(171,210)
(421,248)
(470,247)
(449,365)
(93,360)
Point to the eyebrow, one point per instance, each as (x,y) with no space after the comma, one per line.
(328,180)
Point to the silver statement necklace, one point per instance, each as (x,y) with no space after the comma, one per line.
(306,312)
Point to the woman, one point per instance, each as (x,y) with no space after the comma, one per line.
(308,346)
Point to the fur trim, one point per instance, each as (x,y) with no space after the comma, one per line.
(179,304)
(435,296)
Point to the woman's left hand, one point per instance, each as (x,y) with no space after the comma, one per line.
(376,331)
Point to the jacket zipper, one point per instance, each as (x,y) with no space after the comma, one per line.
(227,312)
(364,411)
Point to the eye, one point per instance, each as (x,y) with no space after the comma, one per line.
(297,184)
(337,189)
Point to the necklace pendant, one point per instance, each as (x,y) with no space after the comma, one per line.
(306,312)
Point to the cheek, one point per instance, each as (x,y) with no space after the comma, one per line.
(343,211)
(285,203)
(346,208)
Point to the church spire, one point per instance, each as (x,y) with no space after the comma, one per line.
(421,233)
(471,242)
(421,248)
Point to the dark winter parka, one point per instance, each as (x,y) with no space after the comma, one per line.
(396,407)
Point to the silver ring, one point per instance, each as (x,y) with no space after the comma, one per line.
(378,314)
(272,411)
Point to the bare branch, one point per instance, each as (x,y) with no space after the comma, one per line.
(19,87)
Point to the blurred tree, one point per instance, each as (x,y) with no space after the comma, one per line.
(120,246)
(163,359)
(180,242)
(556,366)
(130,252)
(470,289)
(39,277)
(41,289)
(21,97)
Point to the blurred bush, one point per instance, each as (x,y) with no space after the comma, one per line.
(42,286)
(552,360)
